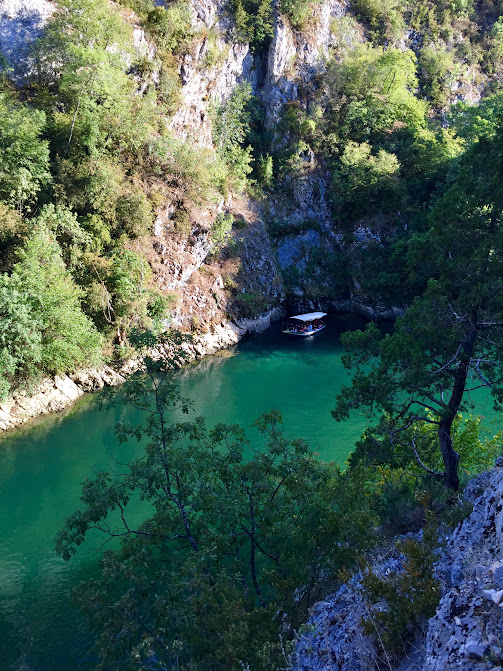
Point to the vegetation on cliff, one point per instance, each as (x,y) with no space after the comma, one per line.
(90,138)
(87,159)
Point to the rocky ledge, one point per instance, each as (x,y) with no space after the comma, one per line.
(59,393)
(466,632)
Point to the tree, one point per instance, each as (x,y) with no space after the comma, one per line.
(371,91)
(450,340)
(12,230)
(24,156)
(85,53)
(231,125)
(20,334)
(42,326)
(134,302)
(227,549)
(365,180)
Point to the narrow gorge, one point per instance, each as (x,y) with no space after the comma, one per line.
(175,179)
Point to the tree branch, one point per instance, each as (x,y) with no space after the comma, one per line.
(439,370)
(422,464)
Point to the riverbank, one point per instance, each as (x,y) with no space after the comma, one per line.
(59,393)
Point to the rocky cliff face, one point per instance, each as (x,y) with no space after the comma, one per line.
(466,632)
(295,58)
(467,629)
(253,270)
(206,286)
(203,82)
(215,65)
(21,21)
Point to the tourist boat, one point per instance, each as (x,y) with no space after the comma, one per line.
(305,325)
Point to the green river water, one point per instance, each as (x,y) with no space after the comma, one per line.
(42,466)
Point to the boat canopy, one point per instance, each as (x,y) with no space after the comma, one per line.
(310,316)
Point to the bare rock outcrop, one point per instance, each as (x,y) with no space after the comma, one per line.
(335,638)
(54,395)
(210,72)
(21,22)
(295,57)
(466,632)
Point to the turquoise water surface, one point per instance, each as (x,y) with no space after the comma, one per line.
(42,467)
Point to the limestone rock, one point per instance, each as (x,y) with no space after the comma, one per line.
(203,83)
(296,57)
(467,630)
(495,596)
(94,379)
(49,396)
(496,571)
(334,637)
(21,22)
(260,323)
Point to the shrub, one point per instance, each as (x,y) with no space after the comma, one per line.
(12,231)
(169,87)
(251,303)
(221,231)
(298,11)
(43,328)
(24,156)
(171,26)
(437,71)
(191,169)
(183,225)
(231,125)
(134,214)
(383,17)
(345,30)
(265,171)
(214,55)
(366,181)
(411,596)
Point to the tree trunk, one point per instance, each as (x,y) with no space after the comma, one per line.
(449,454)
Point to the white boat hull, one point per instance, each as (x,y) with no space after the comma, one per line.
(308,333)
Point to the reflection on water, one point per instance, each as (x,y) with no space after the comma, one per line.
(42,467)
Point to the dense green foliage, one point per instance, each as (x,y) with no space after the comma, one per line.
(42,326)
(88,156)
(230,129)
(24,156)
(230,538)
(230,546)
(450,338)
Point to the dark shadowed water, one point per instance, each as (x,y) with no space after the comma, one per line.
(42,467)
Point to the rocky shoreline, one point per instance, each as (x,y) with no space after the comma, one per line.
(59,393)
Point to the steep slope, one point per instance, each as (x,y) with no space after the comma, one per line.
(466,632)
